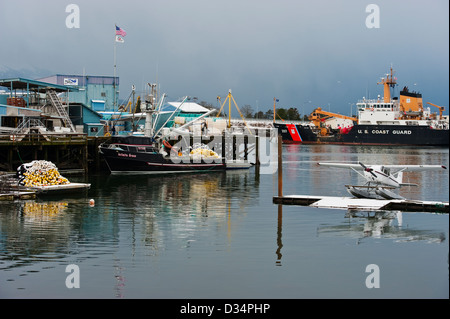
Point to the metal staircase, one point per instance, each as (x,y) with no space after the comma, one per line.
(57,104)
(25,126)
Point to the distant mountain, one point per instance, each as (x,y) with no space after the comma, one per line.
(27,73)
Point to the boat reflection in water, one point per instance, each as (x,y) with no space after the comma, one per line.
(366,224)
(380,224)
(175,209)
(42,212)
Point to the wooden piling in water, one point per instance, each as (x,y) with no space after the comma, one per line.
(257,148)
(280,167)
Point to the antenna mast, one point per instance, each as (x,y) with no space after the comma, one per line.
(389,82)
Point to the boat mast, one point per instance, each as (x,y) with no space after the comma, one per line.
(274,108)
(229,108)
(149,110)
(389,82)
(229,98)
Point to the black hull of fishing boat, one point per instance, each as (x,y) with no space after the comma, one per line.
(120,162)
(138,155)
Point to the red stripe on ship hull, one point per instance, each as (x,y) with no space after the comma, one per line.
(294,132)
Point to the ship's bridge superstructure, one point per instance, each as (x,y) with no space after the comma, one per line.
(375,111)
(379,112)
(406,110)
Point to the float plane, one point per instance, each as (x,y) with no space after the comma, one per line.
(381,179)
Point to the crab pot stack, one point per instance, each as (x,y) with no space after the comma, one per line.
(203,151)
(40,173)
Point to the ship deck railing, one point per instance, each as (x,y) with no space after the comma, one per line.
(379,101)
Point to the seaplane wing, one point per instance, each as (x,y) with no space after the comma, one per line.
(412,168)
(344,165)
(392,168)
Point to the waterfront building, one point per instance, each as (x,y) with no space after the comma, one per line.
(100,93)
(24,100)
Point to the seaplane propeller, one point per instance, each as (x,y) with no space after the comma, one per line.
(368,169)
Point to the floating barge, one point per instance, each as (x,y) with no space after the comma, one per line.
(24,193)
(362,203)
(56,189)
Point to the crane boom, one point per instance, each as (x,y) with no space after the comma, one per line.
(316,118)
(318,115)
(441,109)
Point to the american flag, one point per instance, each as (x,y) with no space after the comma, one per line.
(120,31)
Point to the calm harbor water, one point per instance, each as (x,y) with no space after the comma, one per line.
(218,235)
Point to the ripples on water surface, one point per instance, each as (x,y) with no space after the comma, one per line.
(218,235)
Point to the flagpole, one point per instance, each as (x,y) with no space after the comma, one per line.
(118,37)
(114,81)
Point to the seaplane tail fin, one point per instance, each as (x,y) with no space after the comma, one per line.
(399,180)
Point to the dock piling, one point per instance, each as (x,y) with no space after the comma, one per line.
(280,167)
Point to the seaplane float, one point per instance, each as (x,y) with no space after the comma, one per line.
(381,179)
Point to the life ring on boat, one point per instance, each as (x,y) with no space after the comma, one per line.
(166,144)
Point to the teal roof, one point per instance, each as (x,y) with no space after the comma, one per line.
(20,108)
(27,84)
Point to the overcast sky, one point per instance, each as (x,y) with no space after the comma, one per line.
(305,53)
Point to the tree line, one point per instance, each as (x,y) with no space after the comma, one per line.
(247,111)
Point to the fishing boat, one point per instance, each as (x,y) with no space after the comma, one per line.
(140,154)
(381,121)
(152,152)
(158,152)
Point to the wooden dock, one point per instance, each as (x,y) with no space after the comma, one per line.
(13,195)
(71,188)
(350,203)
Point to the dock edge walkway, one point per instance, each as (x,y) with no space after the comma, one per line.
(362,203)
